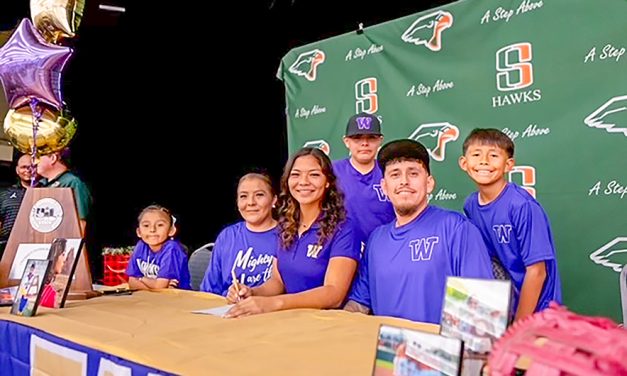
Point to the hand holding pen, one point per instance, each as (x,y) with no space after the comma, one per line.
(237,292)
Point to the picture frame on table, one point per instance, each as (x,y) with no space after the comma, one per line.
(402,351)
(29,290)
(64,255)
(477,311)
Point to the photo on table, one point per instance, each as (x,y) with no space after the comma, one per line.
(475,311)
(407,352)
(30,288)
(64,254)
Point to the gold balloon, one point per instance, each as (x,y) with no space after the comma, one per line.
(57,19)
(54,133)
(5,35)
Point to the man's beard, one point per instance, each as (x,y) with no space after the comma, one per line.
(406,210)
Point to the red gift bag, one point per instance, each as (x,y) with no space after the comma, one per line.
(115,269)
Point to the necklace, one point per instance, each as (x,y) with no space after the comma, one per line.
(305,225)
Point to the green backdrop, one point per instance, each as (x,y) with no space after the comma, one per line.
(552,74)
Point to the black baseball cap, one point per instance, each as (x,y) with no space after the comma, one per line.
(363,123)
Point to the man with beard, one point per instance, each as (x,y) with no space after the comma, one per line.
(404,269)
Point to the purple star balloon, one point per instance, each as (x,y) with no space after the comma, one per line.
(30,67)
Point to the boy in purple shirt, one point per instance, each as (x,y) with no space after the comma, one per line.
(404,269)
(359,176)
(157,261)
(318,252)
(512,222)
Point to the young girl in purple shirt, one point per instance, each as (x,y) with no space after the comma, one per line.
(157,261)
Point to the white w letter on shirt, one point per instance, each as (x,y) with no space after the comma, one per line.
(380,195)
(421,248)
(502,233)
(313,250)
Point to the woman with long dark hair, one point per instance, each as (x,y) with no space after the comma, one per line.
(318,252)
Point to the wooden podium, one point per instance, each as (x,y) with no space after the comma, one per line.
(46,214)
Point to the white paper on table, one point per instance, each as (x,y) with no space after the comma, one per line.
(216,311)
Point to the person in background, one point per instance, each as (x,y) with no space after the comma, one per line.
(245,249)
(54,168)
(359,176)
(11,199)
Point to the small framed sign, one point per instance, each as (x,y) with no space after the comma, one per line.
(407,352)
(64,254)
(475,311)
(30,288)
(27,251)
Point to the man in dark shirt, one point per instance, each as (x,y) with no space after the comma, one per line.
(55,172)
(11,199)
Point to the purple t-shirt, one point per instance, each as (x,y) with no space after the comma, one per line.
(246,252)
(403,272)
(364,200)
(304,265)
(170,262)
(517,231)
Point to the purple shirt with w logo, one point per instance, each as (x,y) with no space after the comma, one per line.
(517,232)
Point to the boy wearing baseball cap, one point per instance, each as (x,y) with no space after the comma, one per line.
(359,176)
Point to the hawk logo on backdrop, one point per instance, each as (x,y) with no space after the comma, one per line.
(514,71)
(611,116)
(421,249)
(320,144)
(307,64)
(612,255)
(503,233)
(435,136)
(427,30)
(366,98)
(528,178)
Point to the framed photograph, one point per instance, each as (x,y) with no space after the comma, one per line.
(475,311)
(30,288)
(63,255)
(25,251)
(407,352)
